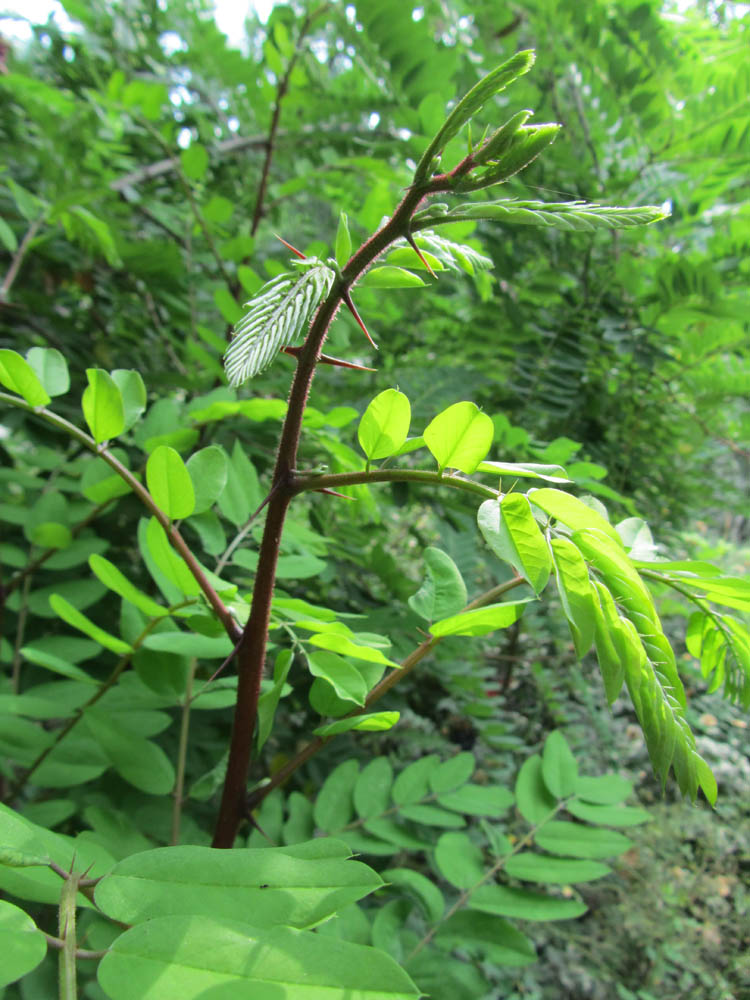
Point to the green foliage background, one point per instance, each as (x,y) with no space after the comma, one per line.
(138,207)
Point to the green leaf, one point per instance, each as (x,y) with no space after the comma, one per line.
(511,531)
(460,437)
(532,867)
(576,594)
(443,592)
(189,957)
(523,904)
(372,788)
(209,469)
(384,425)
(486,936)
(390,277)
(572,512)
(375,722)
(205,647)
(614,646)
(169,562)
(431,815)
(169,482)
(138,761)
(426,892)
(481,621)
(452,773)
(413,783)
(194,161)
(103,406)
(606,790)
(241,495)
(269,700)
(8,237)
(51,368)
(559,766)
(112,578)
(22,945)
(608,815)
(478,800)
(525,470)
(278,885)
(133,392)
(577,841)
(18,375)
(344,678)
(459,860)
(347,647)
(534,801)
(343,250)
(334,805)
(77,620)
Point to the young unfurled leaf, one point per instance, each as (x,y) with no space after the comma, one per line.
(472,103)
(573,216)
(276,318)
(343,249)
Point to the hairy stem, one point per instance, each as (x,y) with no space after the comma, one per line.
(252,651)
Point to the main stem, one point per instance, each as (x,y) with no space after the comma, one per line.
(252,651)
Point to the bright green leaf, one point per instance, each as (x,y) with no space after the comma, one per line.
(375,722)
(388,276)
(460,437)
(169,482)
(511,531)
(18,375)
(51,368)
(384,425)
(103,406)
(481,621)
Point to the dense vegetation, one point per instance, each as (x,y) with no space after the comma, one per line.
(557,411)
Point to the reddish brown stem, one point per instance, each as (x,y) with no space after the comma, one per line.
(252,650)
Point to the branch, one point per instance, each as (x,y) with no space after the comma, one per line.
(18,257)
(270,142)
(174,536)
(300,484)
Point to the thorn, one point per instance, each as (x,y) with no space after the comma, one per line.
(418,252)
(333,493)
(326,359)
(290,247)
(353,310)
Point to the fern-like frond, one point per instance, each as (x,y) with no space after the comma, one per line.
(575,216)
(277,316)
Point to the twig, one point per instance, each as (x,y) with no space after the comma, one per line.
(18,257)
